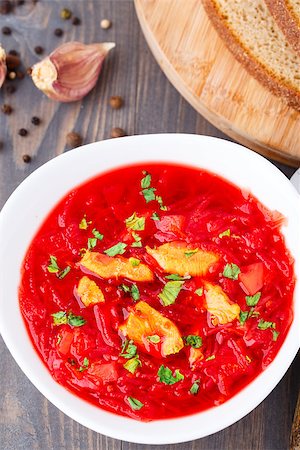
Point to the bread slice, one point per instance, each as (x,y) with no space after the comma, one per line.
(253,36)
(287,15)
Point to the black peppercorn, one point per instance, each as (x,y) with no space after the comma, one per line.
(73,139)
(76,21)
(13,52)
(6,31)
(58,32)
(35,120)
(6,109)
(26,158)
(23,132)
(38,50)
(5,7)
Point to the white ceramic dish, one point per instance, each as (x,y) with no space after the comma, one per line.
(34,198)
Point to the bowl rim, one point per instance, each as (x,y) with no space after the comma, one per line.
(74,165)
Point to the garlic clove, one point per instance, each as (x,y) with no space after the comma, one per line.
(71,70)
(3,68)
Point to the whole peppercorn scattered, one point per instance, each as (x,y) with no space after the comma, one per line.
(23,132)
(116,102)
(65,14)
(26,158)
(76,21)
(12,61)
(29,70)
(35,120)
(105,24)
(11,89)
(117,132)
(5,7)
(38,50)
(6,109)
(58,32)
(6,31)
(73,139)
(13,52)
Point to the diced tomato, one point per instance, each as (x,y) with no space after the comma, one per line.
(65,342)
(252,278)
(103,372)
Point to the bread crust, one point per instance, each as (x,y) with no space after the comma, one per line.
(287,21)
(265,76)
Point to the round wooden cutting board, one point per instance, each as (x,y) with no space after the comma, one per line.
(196,61)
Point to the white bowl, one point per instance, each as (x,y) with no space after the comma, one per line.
(34,198)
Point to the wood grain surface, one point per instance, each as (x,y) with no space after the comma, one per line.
(27,420)
(200,66)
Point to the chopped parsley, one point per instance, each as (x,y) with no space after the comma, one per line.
(149,194)
(224,233)
(84,224)
(264,325)
(97,235)
(176,277)
(193,340)
(253,300)
(129,350)
(210,358)
(190,253)
(137,240)
(155,339)
(135,293)
(243,317)
(61,318)
(132,364)
(159,200)
(85,365)
(135,223)
(124,288)
(92,242)
(170,292)
(134,262)
(134,403)
(275,335)
(195,387)
(146,181)
(199,291)
(63,272)
(165,375)
(53,267)
(117,249)
(231,271)
(155,216)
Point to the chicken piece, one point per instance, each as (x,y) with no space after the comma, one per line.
(114,267)
(183,259)
(146,321)
(88,292)
(195,356)
(219,305)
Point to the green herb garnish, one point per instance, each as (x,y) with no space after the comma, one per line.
(117,249)
(170,292)
(199,292)
(231,271)
(275,335)
(149,194)
(190,253)
(85,365)
(63,272)
(195,387)
(243,317)
(193,340)
(155,339)
(159,200)
(264,325)
(134,403)
(92,242)
(253,300)
(132,364)
(165,375)
(137,240)
(75,321)
(53,267)
(135,293)
(146,181)
(129,350)
(176,277)
(134,262)
(225,233)
(155,216)
(97,235)
(135,223)
(61,318)
(210,358)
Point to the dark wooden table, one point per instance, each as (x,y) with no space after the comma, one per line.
(27,419)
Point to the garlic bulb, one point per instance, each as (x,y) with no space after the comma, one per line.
(71,70)
(3,68)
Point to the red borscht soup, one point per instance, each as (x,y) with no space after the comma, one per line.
(157,291)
